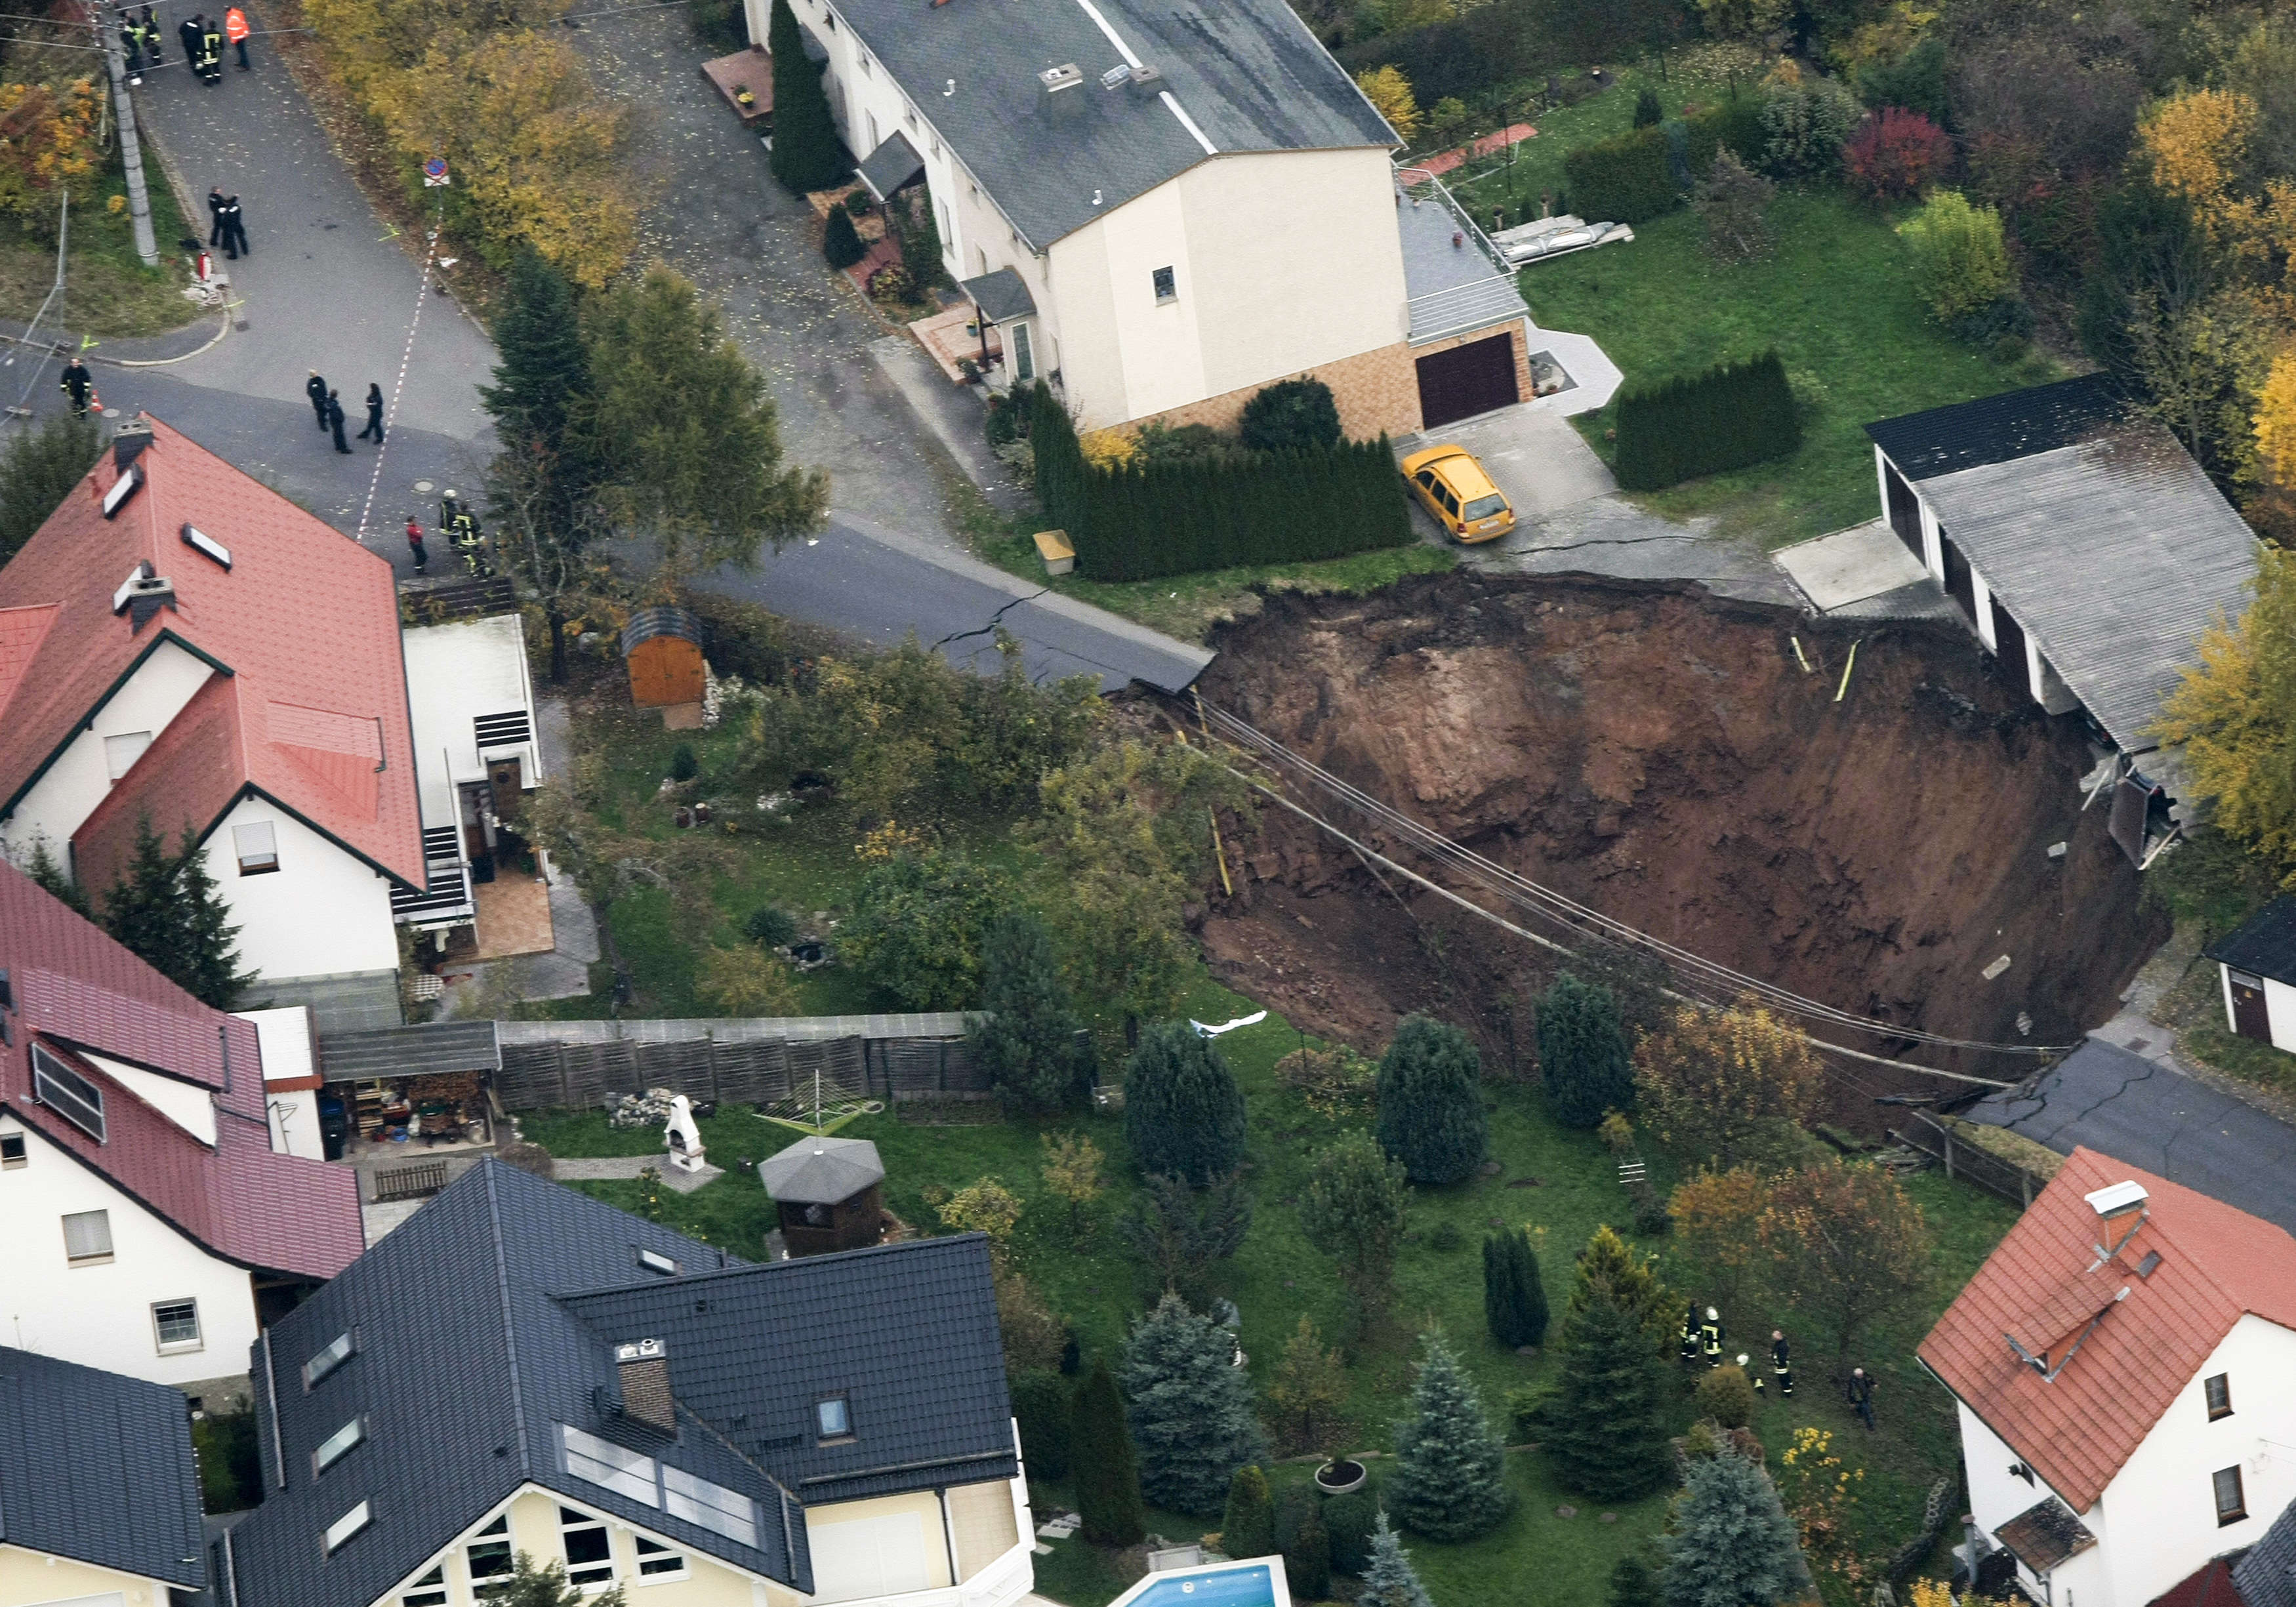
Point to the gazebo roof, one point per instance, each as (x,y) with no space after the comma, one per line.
(822,1171)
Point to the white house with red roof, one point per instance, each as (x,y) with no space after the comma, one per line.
(2125,1369)
(150,1220)
(182,645)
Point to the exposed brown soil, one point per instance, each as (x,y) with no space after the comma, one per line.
(1657,753)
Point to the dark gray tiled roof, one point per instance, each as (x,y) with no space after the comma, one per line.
(892,166)
(409,1051)
(822,1171)
(1997,429)
(2113,553)
(1247,72)
(1000,295)
(98,1468)
(2265,944)
(2267,1575)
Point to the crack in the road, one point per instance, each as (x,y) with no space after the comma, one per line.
(994,619)
(1607,541)
(2127,1082)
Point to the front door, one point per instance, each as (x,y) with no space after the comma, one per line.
(503,783)
(2250,1017)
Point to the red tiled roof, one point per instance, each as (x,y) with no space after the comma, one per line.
(304,620)
(2211,1586)
(2216,1264)
(76,988)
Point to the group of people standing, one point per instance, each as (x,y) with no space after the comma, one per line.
(228,226)
(462,532)
(1702,1345)
(328,404)
(202,39)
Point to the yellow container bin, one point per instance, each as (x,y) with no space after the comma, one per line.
(1053,546)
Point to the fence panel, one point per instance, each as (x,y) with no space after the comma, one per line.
(579,1076)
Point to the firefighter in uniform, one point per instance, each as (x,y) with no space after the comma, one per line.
(1781,1364)
(131,41)
(1690,1335)
(1710,1337)
(212,54)
(462,531)
(79,385)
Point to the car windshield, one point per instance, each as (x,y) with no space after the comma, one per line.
(1483,507)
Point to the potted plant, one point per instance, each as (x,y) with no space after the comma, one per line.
(968,370)
(743,96)
(1339,1475)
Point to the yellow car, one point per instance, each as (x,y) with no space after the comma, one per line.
(1454,489)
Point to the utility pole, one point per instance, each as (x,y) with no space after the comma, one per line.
(131,148)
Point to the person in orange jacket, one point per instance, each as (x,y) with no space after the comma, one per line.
(235,30)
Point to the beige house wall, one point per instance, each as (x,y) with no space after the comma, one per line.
(32,1579)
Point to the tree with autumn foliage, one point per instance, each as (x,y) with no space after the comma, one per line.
(47,144)
(1714,1214)
(1847,1249)
(2234,717)
(1389,94)
(1728,1086)
(1894,153)
(1820,1495)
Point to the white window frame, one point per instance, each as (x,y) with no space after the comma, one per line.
(93,1258)
(176,1346)
(15,1151)
(118,759)
(255,844)
(1024,351)
(429,1591)
(666,1563)
(588,1579)
(354,1522)
(329,1358)
(339,1444)
(496,1533)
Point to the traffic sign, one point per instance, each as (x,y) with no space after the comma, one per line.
(434,172)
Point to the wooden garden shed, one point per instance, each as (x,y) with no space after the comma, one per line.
(825,1191)
(663,649)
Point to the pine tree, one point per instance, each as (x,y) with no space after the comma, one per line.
(1183,1112)
(841,241)
(1582,1052)
(1514,1299)
(1100,1455)
(1449,1481)
(1248,1527)
(49,875)
(1390,1580)
(212,973)
(1430,1102)
(1633,1584)
(545,372)
(806,153)
(1354,1211)
(1730,1543)
(1601,1427)
(1026,1038)
(139,910)
(39,472)
(1189,1407)
(1648,112)
(1609,1266)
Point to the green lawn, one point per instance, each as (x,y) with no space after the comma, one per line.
(1560,1184)
(1835,301)
(108,292)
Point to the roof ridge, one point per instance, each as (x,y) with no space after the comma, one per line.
(685,1279)
(510,1321)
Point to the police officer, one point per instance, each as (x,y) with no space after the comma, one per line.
(316,389)
(1860,1393)
(335,420)
(187,34)
(216,204)
(1710,1337)
(373,414)
(1690,1335)
(235,229)
(79,385)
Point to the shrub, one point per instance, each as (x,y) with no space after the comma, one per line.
(1733,124)
(1726,1394)
(746,982)
(1806,123)
(1107,1476)
(1349,1519)
(1731,1540)
(1648,112)
(683,765)
(1189,1407)
(1733,414)
(1026,1036)
(1633,1584)
(1894,153)
(1183,1113)
(1628,179)
(1514,1298)
(1248,1527)
(1728,1086)
(1449,1481)
(1734,201)
(230,1470)
(1306,1544)
(770,926)
(841,241)
(807,155)
(918,924)
(1139,520)
(1961,262)
(1915,80)
(1582,1052)
(1042,1407)
(1291,415)
(1354,1211)
(1430,1102)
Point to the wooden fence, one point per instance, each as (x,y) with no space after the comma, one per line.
(578,1075)
(1963,1159)
(416,1182)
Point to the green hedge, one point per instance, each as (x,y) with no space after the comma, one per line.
(1733,414)
(1242,508)
(1627,179)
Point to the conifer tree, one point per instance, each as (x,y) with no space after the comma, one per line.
(39,470)
(1307,1546)
(1730,1544)
(1354,1211)
(139,909)
(1582,1052)
(1100,1455)
(45,871)
(1449,1481)
(166,910)
(1189,1407)
(1633,1584)
(212,973)
(1601,1427)
(841,241)
(1430,1102)
(1390,1580)
(1514,1299)
(1248,1527)
(1026,1038)
(1183,1112)
(1609,1266)
(806,153)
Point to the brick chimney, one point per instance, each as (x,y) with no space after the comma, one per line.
(645,1370)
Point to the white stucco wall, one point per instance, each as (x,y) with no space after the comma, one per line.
(100,1315)
(454,674)
(79,780)
(2156,1523)
(321,913)
(2279,1005)
(188,1104)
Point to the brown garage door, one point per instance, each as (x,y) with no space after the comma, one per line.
(1467,380)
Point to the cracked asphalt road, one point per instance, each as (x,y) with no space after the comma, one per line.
(2149,1113)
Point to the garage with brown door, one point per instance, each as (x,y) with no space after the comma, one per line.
(1467,380)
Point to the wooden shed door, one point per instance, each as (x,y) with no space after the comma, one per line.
(1905,511)
(2250,1016)
(1467,380)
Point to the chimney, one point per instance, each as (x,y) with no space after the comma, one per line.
(645,1370)
(1056,89)
(2120,1210)
(143,595)
(1146,82)
(130,442)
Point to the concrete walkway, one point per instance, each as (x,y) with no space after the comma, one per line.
(618,1167)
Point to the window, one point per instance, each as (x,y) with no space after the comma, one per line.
(429,1591)
(2231,1505)
(87,1238)
(67,1092)
(490,1560)
(654,1260)
(1024,357)
(121,752)
(2219,1394)
(257,846)
(1166,288)
(713,1506)
(909,116)
(658,1562)
(339,1532)
(11,1150)
(873,129)
(333,1355)
(609,1467)
(337,1446)
(176,1325)
(589,1550)
(835,1417)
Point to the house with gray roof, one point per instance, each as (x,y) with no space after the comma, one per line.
(99,1493)
(522,1368)
(1164,206)
(2087,550)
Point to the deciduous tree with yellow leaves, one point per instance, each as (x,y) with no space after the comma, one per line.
(2234,716)
(47,140)
(1389,94)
